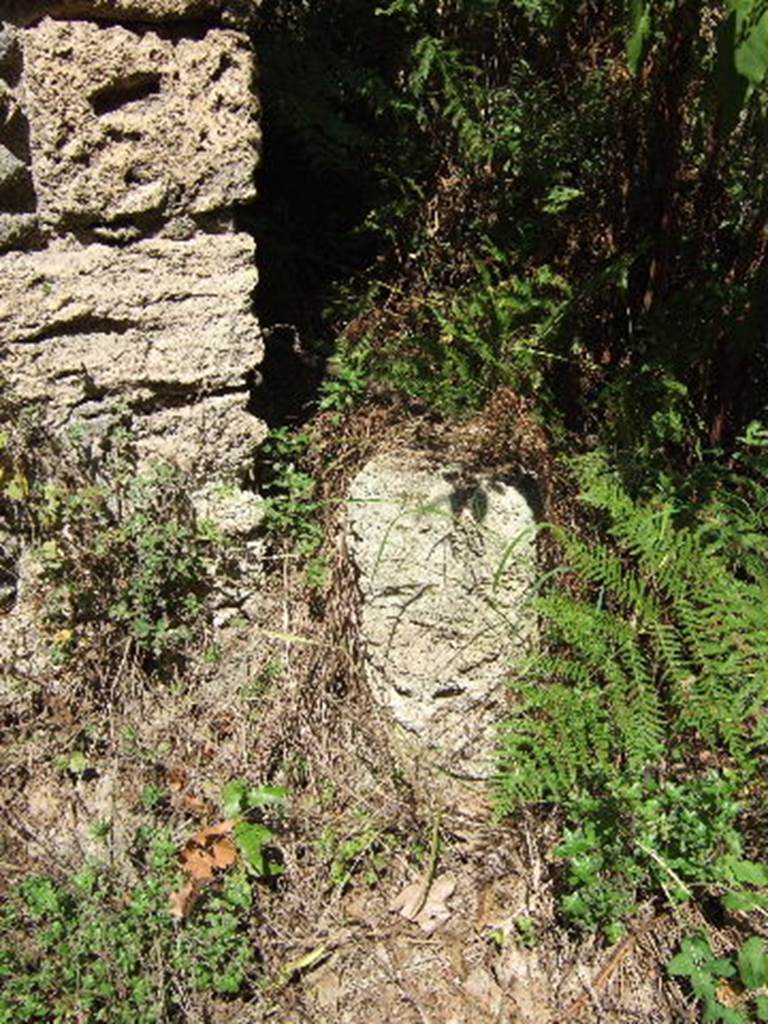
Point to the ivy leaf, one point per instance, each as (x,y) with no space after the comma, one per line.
(251,840)
(762,1007)
(238,797)
(750,872)
(753,963)
(742,58)
(261,796)
(234,798)
(751,56)
(78,763)
(725,1014)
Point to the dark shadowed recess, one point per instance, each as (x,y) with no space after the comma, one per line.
(316,185)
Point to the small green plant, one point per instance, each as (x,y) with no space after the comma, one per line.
(263,681)
(77,763)
(738,875)
(153,796)
(253,839)
(452,349)
(709,977)
(526,932)
(126,565)
(363,853)
(347,380)
(291,509)
(102,830)
(645,836)
(92,950)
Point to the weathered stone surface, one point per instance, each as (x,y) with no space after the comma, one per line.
(128,123)
(154,324)
(235,512)
(25,12)
(16,192)
(23,652)
(126,298)
(6,97)
(444,571)
(9,42)
(209,437)
(10,169)
(17,229)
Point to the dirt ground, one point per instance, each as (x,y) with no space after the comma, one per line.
(366,830)
(333,946)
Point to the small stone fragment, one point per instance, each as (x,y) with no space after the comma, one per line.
(11,169)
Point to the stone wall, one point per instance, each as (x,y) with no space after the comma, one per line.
(128,138)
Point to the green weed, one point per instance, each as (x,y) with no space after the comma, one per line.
(710,979)
(452,349)
(363,853)
(291,509)
(92,950)
(646,837)
(126,566)
(252,838)
(526,932)
(349,373)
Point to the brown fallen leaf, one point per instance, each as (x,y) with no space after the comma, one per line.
(176,777)
(731,993)
(223,854)
(205,835)
(182,901)
(427,913)
(209,851)
(194,805)
(197,863)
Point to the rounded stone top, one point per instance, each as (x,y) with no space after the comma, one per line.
(234,12)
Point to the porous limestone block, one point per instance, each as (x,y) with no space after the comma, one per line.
(444,572)
(24,12)
(212,437)
(128,123)
(18,223)
(161,327)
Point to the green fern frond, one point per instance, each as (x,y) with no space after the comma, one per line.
(665,647)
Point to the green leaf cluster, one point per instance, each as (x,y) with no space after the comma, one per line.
(91,951)
(127,567)
(253,839)
(706,972)
(654,666)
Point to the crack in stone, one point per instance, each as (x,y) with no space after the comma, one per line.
(80,325)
